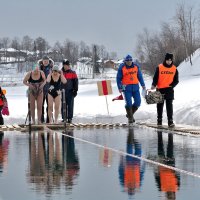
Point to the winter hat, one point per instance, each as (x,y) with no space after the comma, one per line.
(55,68)
(45,57)
(128,58)
(66,62)
(169,56)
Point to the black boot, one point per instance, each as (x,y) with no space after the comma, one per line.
(1,121)
(129,114)
(159,121)
(134,109)
(171,123)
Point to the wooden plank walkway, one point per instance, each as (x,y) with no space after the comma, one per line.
(25,128)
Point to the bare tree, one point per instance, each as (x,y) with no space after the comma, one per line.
(5,45)
(186,21)
(84,50)
(71,51)
(42,46)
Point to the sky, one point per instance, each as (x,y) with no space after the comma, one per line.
(90,107)
(112,23)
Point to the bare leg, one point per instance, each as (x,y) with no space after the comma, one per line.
(57,107)
(50,107)
(32,107)
(39,107)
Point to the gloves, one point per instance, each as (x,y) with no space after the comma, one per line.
(74,93)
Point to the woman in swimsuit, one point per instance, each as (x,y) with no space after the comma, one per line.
(35,80)
(55,78)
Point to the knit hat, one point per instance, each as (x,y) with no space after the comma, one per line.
(55,68)
(169,56)
(128,58)
(66,62)
(45,57)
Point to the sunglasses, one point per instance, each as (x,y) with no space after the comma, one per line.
(128,60)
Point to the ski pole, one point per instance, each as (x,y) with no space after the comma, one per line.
(64,108)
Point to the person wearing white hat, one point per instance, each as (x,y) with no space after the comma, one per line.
(55,78)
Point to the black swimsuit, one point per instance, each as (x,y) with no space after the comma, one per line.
(54,87)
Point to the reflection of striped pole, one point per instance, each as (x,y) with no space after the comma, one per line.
(29,111)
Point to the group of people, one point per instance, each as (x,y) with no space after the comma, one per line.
(166,77)
(45,85)
(46,82)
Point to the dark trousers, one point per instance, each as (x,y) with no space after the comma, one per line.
(45,99)
(169,108)
(69,98)
(1,117)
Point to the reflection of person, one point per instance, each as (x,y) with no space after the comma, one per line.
(46,167)
(129,76)
(131,171)
(167,180)
(71,89)
(35,80)
(165,79)
(45,65)
(55,78)
(4,143)
(71,161)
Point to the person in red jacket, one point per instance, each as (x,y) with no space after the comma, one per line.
(164,80)
(3,101)
(71,89)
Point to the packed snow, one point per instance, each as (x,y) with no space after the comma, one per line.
(93,108)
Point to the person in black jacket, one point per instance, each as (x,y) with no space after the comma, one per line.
(165,79)
(71,88)
(46,65)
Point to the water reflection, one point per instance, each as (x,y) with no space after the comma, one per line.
(4,144)
(131,170)
(71,161)
(168,181)
(53,161)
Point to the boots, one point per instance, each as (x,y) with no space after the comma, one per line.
(171,123)
(129,114)
(159,121)
(1,121)
(134,109)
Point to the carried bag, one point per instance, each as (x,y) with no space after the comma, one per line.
(154,97)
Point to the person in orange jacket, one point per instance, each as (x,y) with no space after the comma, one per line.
(164,80)
(168,180)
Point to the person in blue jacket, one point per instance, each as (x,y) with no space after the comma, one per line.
(129,76)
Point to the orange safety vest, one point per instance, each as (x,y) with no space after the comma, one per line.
(132,176)
(130,75)
(168,180)
(166,76)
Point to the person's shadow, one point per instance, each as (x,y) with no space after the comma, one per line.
(131,170)
(167,180)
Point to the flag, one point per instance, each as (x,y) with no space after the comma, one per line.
(104,87)
(120,97)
